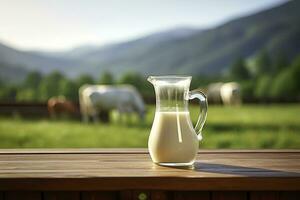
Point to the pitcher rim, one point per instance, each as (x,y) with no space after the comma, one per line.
(169,77)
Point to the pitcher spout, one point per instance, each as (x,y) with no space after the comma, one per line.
(151,79)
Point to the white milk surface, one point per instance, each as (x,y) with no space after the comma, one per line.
(172,138)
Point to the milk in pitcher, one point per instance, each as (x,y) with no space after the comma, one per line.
(173,138)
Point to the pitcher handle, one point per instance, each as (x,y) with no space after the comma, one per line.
(203,110)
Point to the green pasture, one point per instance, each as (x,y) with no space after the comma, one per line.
(249,126)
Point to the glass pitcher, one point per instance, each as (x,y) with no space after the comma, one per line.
(173,140)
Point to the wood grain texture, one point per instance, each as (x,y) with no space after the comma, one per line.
(130,169)
(22,195)
(224,195)
(61,195)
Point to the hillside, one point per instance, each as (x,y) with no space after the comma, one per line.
(177,51)
(113,51)
(12,73)
(212,51)
(83,59)
(34,61)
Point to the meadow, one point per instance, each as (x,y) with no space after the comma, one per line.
(245,127)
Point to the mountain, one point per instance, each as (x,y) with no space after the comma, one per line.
(182,50)
(12,73)
(96,53)
(69,54)
(34,61)
(122,57)
(210,51)
(78,60)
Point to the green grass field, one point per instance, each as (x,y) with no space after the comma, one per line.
(250,126)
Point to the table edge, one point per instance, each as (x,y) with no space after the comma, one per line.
(152,183)
(133,151)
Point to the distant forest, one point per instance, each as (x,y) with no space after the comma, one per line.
(263,80)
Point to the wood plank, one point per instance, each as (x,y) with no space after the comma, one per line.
(291,195)
(61,195)
(270,195)
(15,165)
(224,195)
(213,170)
(24,195)
(210,163)
(191,195)
(96,195)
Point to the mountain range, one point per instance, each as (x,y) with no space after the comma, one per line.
(183,50)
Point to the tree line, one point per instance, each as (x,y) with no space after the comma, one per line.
(39,88)
(266,79)
(261,79)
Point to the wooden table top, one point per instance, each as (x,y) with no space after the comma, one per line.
(118,169)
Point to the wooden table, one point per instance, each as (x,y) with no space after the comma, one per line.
(91,174)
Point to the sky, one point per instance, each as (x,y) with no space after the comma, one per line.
(55,25)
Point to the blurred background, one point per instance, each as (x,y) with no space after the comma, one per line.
(244,55)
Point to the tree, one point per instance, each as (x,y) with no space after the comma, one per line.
(280,62)
(33,80)
(287,82)
(29,89)
(138,81)
(8,93)
(247,89)
(26,94)
(262,89)
(1,84)
(285,85)
(296,72)
(239,70)
(84,79)
(69,89)
(263,63)
(49,86)
(106,78)
(133,78)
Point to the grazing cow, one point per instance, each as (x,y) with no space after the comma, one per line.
(226,93)
(94,99)
(60,106)
(214,93)
(231,93)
